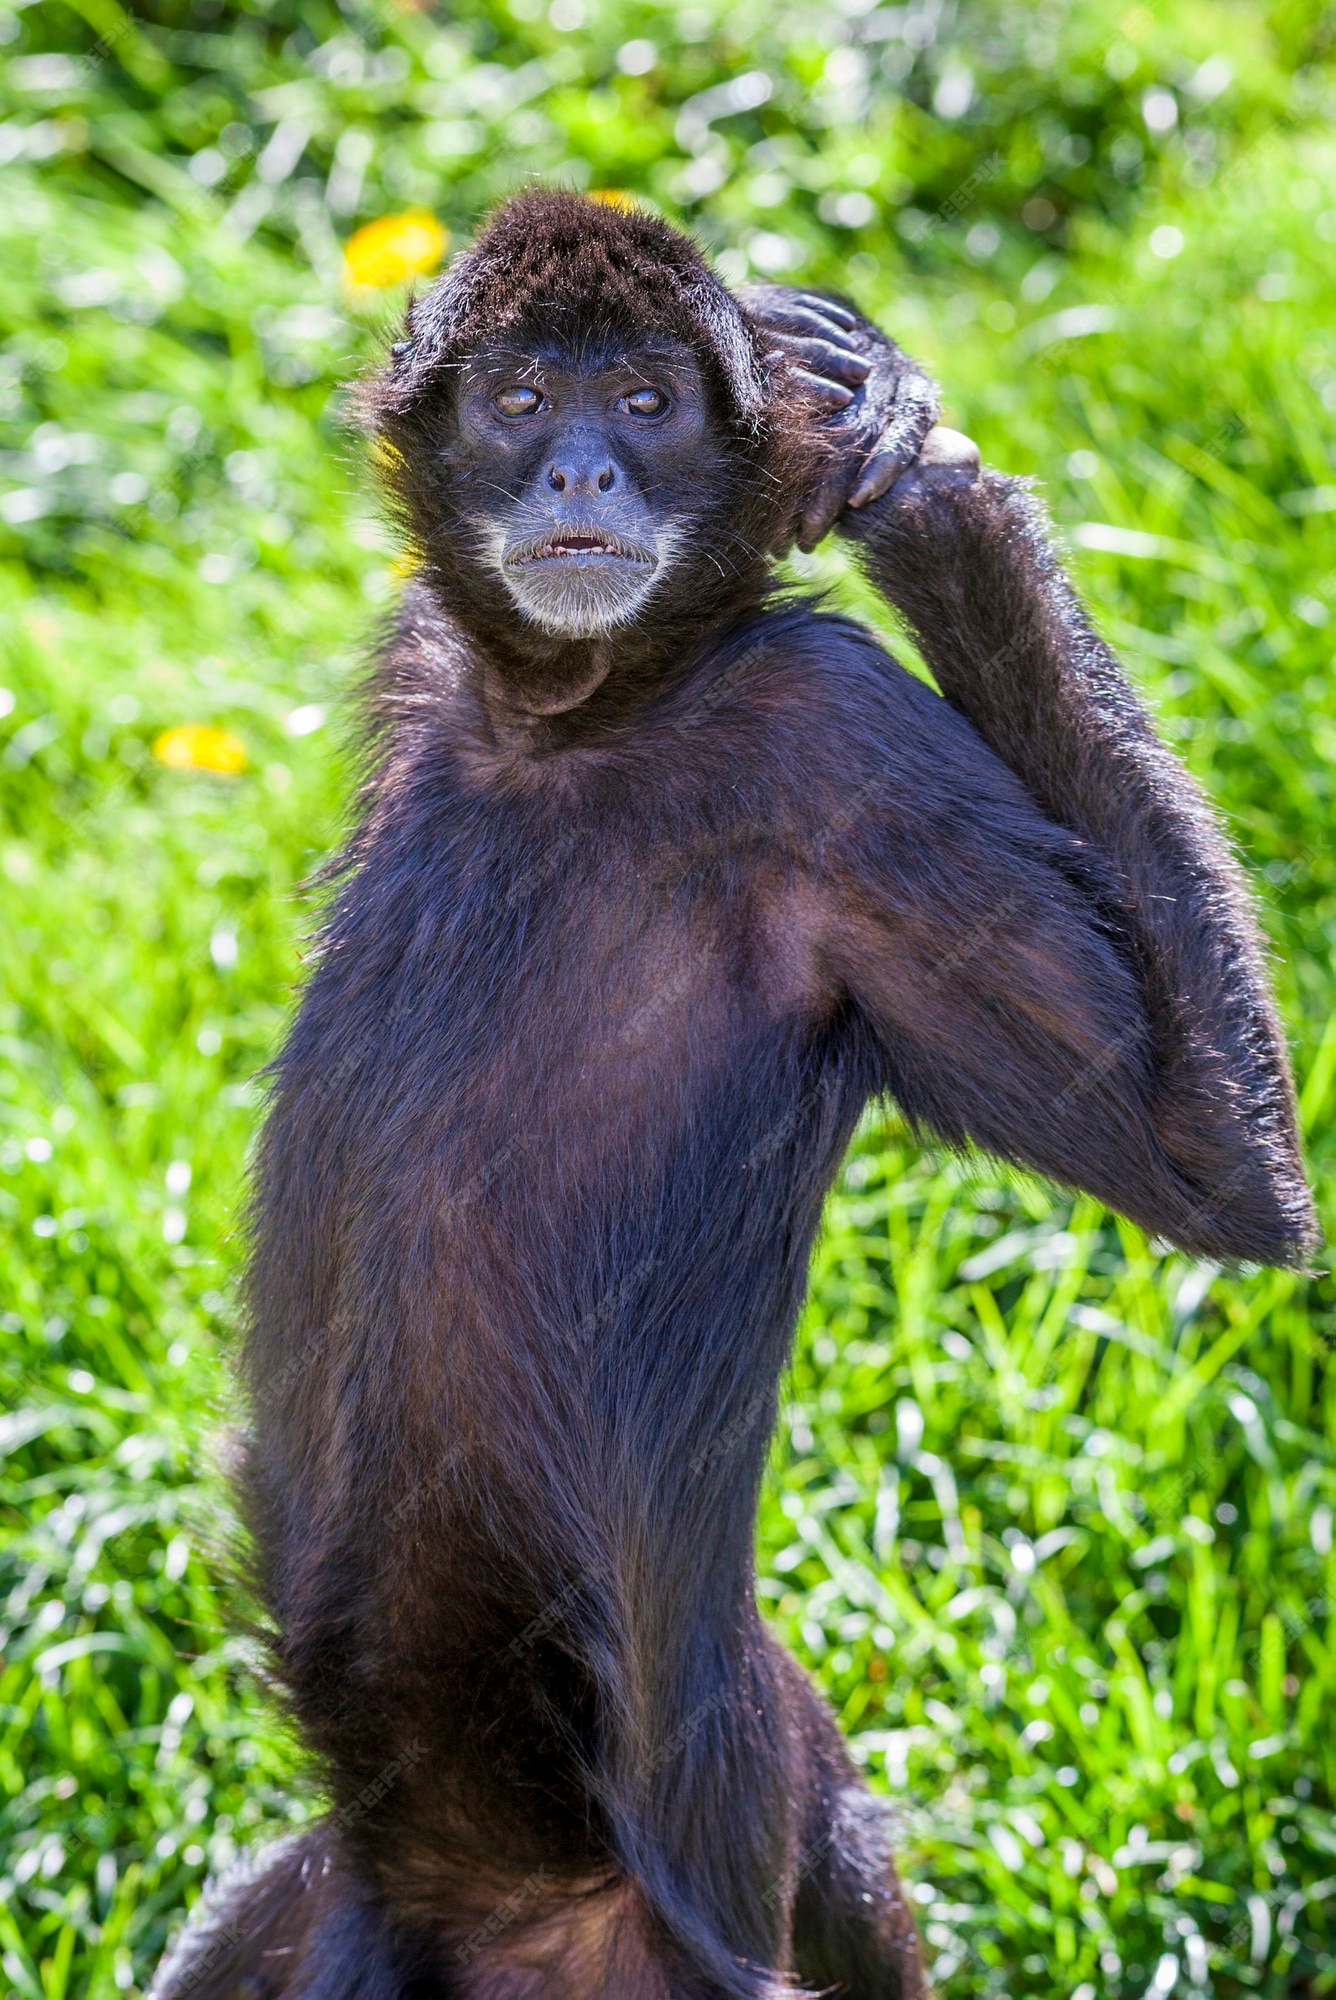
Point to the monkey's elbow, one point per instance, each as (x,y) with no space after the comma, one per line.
(1252,1217)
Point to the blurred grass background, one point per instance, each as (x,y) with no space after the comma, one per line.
(1051,1513)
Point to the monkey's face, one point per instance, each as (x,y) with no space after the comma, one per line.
(578,475)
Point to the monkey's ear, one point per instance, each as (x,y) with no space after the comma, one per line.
(431,342)
(728,336)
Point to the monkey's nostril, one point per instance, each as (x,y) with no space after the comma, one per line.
(556,480)
(606,479)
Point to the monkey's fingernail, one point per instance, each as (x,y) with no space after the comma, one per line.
(822,510)
(827,375)
(878,474)
(832,396)
(830,310)
(818,516)
(847,367)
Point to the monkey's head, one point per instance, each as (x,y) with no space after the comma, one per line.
(581,437)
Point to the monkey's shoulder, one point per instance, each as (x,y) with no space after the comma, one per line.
(800,688)
(793,643)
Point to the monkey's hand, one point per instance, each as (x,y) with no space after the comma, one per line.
(871,404)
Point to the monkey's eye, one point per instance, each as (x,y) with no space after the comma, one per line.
(645,402)
(517,401)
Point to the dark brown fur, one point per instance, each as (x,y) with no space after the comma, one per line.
(600,1000)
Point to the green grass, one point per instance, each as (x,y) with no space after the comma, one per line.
(1051,1512)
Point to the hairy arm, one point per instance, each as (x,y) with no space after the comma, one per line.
(997,954)
(965,556)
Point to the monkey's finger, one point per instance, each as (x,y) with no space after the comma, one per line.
(768,300)
(829,308)
(948,458)
(826,394)
(798,317)
(823,508)
(880,471)
(891,456)
(815,341)
(949,450)
(912,418)
(813,348)
(823,357)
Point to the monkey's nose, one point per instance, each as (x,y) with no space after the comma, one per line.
(576,478)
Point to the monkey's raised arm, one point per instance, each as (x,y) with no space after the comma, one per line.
(991,951)
(966,558)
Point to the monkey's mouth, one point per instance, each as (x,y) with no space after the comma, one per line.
(579,548)
(578,578)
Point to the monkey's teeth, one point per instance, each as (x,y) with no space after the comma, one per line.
(585,545)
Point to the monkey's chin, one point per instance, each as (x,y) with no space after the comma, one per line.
(580,595)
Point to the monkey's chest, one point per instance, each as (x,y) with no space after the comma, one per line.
(628,1035)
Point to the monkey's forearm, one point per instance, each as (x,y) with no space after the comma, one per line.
(971,568)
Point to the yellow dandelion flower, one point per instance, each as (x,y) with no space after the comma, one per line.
(612,198)
(198,746)
(394,248)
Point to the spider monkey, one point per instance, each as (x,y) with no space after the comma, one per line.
(658,876)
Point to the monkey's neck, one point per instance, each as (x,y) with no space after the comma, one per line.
(584,693)
(538,695)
